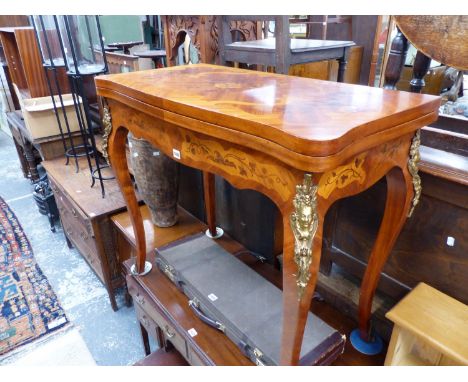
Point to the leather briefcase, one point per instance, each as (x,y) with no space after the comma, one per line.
(228,295)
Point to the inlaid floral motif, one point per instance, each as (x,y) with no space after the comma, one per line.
(239,163)
(342,176)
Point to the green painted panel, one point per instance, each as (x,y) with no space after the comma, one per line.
(121,28)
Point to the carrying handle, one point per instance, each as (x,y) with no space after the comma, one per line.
(194,305)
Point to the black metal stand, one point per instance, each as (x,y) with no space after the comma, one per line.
(45,201)
(50,67)
(87,148)
(84,114)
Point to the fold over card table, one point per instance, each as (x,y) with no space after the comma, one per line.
(303,143)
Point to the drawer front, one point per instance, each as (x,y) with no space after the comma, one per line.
(75,213)
(67,204)
(77,225)
(78,231)
(144,319)
(85,244)
(194,359)
(152,313)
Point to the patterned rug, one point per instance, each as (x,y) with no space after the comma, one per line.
(29,307)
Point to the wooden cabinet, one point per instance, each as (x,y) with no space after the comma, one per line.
(85,218)
(24,61)
(25,64)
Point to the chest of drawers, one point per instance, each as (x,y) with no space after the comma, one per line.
(85,217)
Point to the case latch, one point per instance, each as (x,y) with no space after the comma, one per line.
(258,355)
(169,271)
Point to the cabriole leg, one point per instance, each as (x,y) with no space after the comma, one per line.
(399,197)
(303,227)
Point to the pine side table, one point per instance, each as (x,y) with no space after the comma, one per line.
(430,329)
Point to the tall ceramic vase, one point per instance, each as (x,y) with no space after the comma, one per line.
(157,179)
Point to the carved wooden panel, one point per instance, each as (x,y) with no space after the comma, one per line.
(203,31)
(175,28)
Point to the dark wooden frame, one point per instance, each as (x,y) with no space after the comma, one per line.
(283,55)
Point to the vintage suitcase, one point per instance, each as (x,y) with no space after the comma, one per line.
(228,295)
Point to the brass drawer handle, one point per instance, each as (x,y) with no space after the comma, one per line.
(144,321)
(69,232)
(73,211)
(140,300)
(168,332)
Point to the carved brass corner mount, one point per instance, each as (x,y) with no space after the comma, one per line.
(413,162)
(107,124)
(304,223)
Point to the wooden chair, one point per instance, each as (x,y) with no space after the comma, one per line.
(279,58)
(281,51)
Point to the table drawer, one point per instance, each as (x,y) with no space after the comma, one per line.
(148,311)
(64,201)
(144,319)
(194,359)
(80,236)
(78,226)
(87,249)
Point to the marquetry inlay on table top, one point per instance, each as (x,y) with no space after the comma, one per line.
(305,116)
